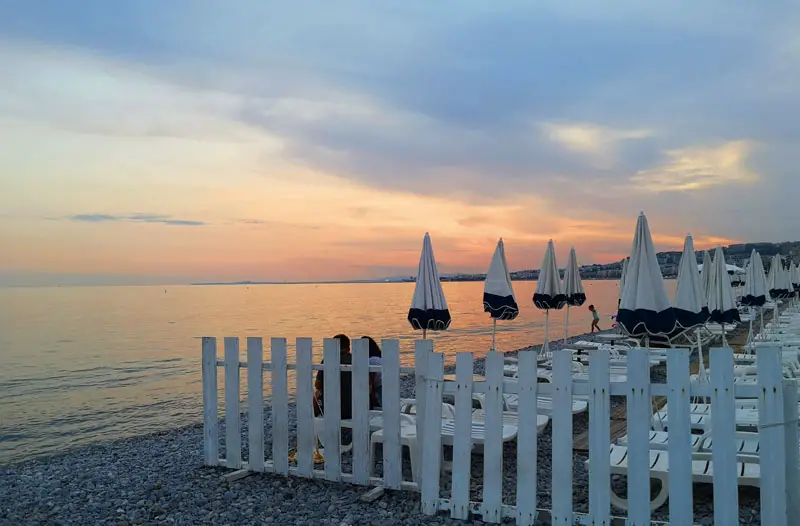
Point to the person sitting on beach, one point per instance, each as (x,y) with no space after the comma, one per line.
(345,382)
(595,319)
(375,383)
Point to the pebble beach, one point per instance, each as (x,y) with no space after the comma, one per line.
(160,479)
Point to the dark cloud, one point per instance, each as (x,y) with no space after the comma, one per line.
(134,218)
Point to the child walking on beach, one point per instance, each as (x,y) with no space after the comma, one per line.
(595,319)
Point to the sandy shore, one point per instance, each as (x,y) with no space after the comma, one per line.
(160,479)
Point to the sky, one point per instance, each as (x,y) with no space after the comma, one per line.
(191,140)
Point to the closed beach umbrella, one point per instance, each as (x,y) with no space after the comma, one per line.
(795,276)
(645,309)
(573,287)
(548,293)
(498,294)
(690,301)
(622,276)
(776,280)
(705,275)
(755,293)
(721,305)
(428,310)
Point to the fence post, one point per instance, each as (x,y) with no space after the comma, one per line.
(361,424)
(723,425)
(255,404)
(333,409)
(493,444)
(280,409)
(432,440)
(772,436)
(527,439)
(562,438)
(233,431)
(639,413)
(392,448)
(422,351)
(210,402)
(680,436)
(599,437)
(790,417)
(462,442)
(306,437)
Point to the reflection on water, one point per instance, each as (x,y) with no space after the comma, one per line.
(86,364)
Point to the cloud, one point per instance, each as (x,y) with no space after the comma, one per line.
(699,168)
(453,120)
(134,218)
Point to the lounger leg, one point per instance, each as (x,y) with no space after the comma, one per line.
(657,502)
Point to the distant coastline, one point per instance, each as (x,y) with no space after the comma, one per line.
(370,281)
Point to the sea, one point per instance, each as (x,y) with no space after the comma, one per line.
(82,365)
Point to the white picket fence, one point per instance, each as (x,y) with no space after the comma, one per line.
(777,429)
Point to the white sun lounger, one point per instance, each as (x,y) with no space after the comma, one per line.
(512,418)
(544,404)
(749,473)
(659,440)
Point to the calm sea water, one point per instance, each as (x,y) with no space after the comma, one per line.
(89,364)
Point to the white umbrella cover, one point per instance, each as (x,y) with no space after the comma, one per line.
(705,276)
(622,276)
(755,292)
(721,305)
(776,280)
(428,310)
(573,287)
(498,294)
(548,293)
(645,309)
(690,302)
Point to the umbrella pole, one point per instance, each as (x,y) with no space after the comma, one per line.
(750,330)
(724,339)
(566,326)
(494,331)
(424,333)
(546,346)
(702,365)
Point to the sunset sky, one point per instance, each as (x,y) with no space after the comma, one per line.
(178,141)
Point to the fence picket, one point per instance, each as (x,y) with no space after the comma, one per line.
(493,446)
(599,437)
(562,438)
(432,452)
(723,425)
(771,436)
(306,437)
(527,437)
(360,411)
(332,408)
(679,441)
(639,412)
(280,409)
(422,351)
(390,377)
(255,404)
(790,418)
(233,433)
(210,402)
(462,445)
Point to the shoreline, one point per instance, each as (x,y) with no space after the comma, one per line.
(159,478)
